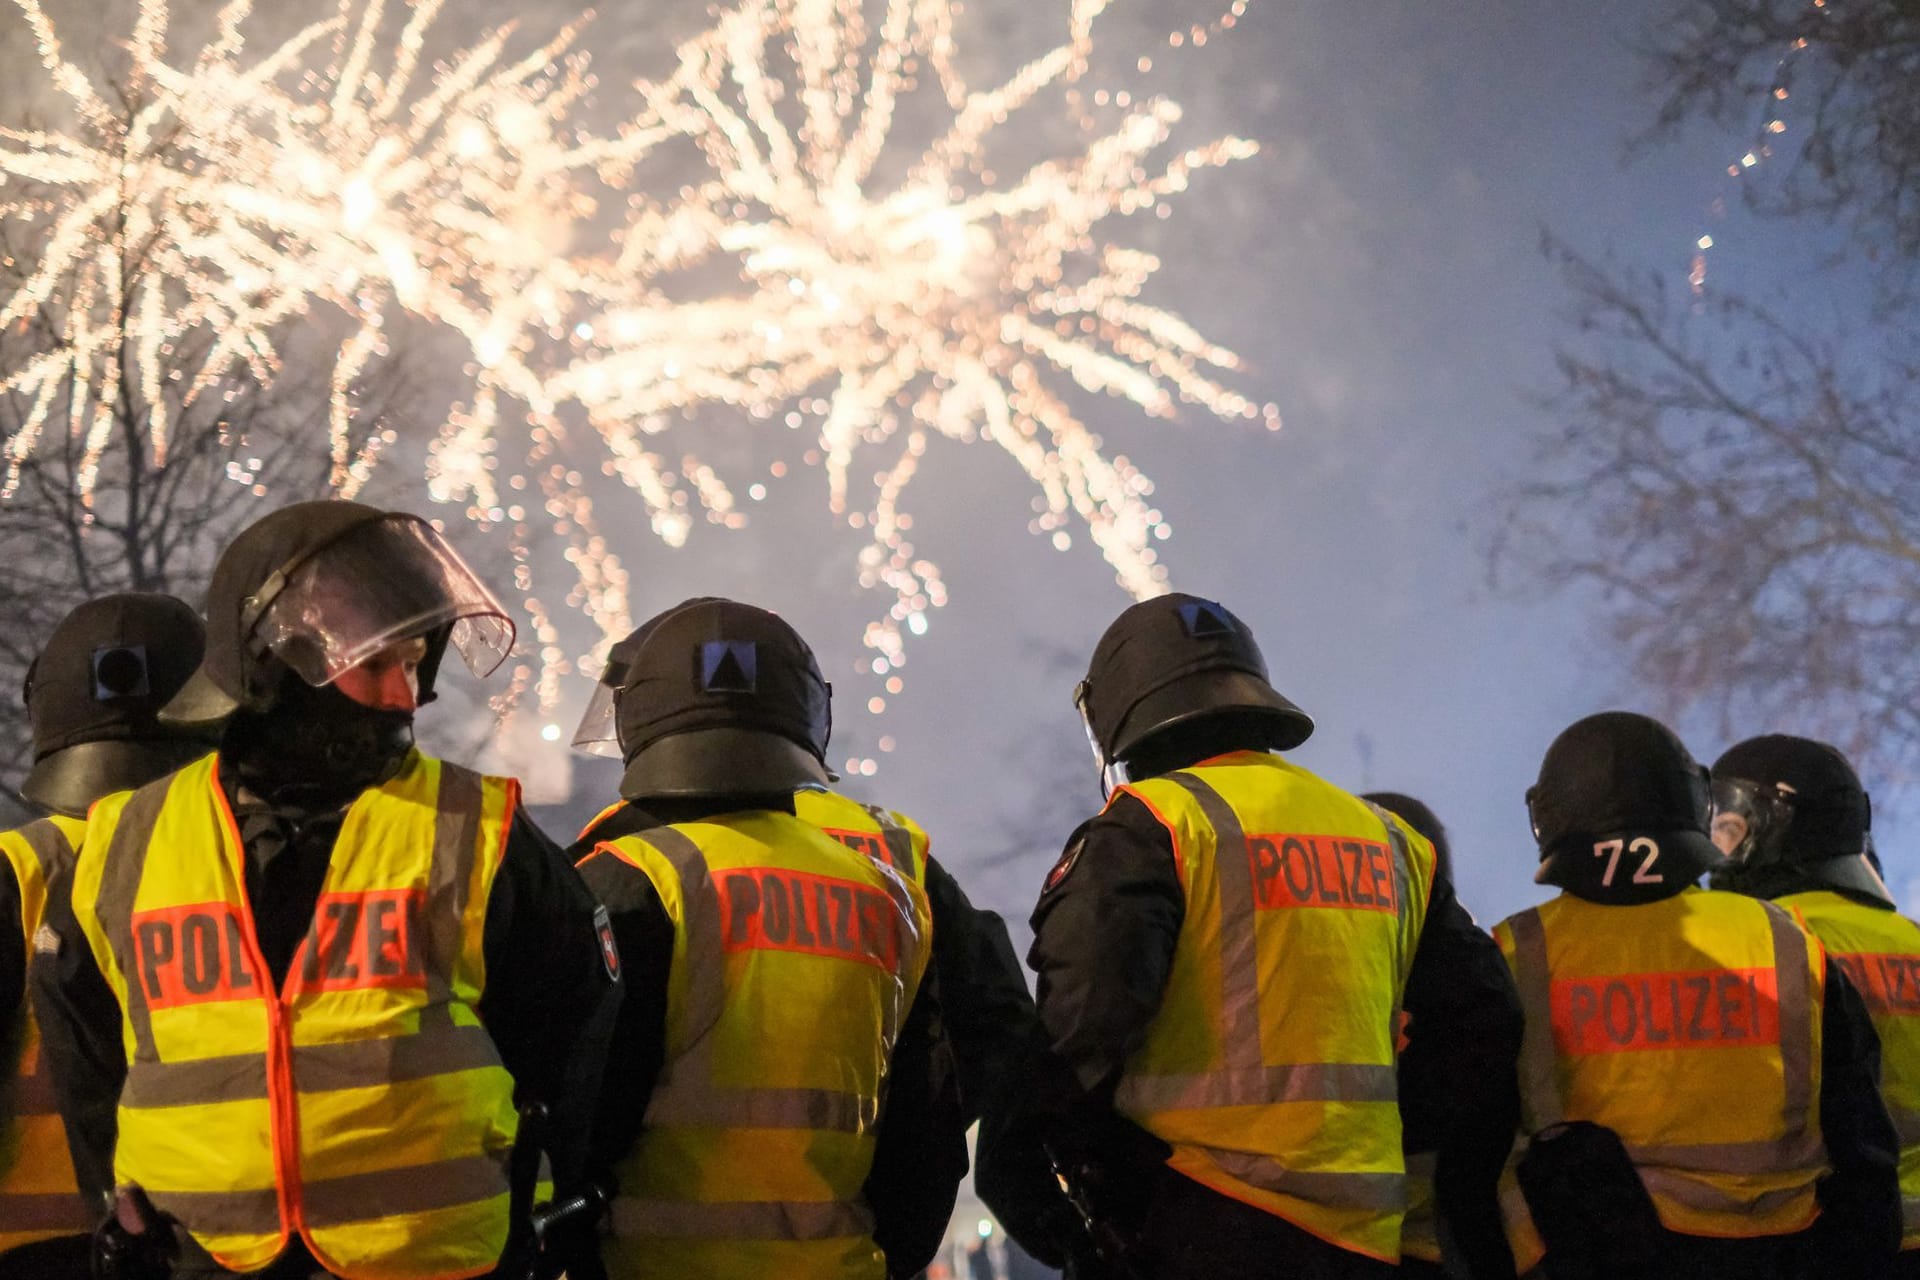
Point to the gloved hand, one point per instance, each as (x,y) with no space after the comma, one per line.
(135,1241)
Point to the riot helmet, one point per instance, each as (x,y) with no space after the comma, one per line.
(1621,809)
(1422,819)
(1176,661)
(712,697)
(316,588)
(1791,815)
(93,695)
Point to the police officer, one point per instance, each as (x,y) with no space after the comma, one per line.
(92,695)
(1698,1082)
(782,997)
(305,979)
(1224,954)
(1420,1238)
(1794,822)
(987,1010)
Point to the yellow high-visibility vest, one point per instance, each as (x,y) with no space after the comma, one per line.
(1269,1068)
(881,834)
(363,1106)
(1691,1027)
(39,1199)
(795,962)
(1879,951)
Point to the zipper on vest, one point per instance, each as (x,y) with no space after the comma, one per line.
(285,1125)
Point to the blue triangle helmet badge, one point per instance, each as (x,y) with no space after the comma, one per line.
(1203,619)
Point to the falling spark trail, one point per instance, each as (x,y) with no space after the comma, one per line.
(950,301)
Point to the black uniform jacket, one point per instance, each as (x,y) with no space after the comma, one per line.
(921,1153)
(1105,930)
(549,1002)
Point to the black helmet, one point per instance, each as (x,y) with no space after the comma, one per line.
(1807,818)
(1172,661)
(316,587)
(1621,777)
(94,694)
(712,697)
(1422,819)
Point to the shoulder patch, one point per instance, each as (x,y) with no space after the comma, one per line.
(45,941)
(1064,868)
(609,950)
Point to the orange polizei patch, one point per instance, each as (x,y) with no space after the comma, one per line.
(193,954)
(360,941)
(1342,873)
(1631,1012)
(861,842)
(1889,984)
(774,909)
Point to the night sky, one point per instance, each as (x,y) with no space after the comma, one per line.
(1379,266)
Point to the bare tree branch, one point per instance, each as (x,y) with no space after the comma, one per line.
(1848,70)
(1746,500)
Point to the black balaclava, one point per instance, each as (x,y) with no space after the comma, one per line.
(315,748)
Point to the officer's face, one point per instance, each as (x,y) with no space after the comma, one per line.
(1729,829)
(389,680)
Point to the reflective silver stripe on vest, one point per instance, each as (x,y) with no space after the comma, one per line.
(53,1211)
(702,925)
(1539,1082)
(1790,966)
(1241,1087)
(1688,1191)
(362,1064)
(126,864)
(414,1189)
(456,832)
(741,1219)
(1402,885)
(238,1077)
(222,1213)
(1800,1150)
(1239,952)
(51,849)
(1384,1192)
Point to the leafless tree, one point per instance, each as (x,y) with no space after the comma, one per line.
(1744,495)
(1839,74)
(1748,502)
(237,449)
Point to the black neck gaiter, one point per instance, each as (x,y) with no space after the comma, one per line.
(315,748)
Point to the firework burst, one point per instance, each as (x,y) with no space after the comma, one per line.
(239,192)
(877,278)
(891,298)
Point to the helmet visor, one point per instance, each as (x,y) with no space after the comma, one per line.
(599,731)
(381,583)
